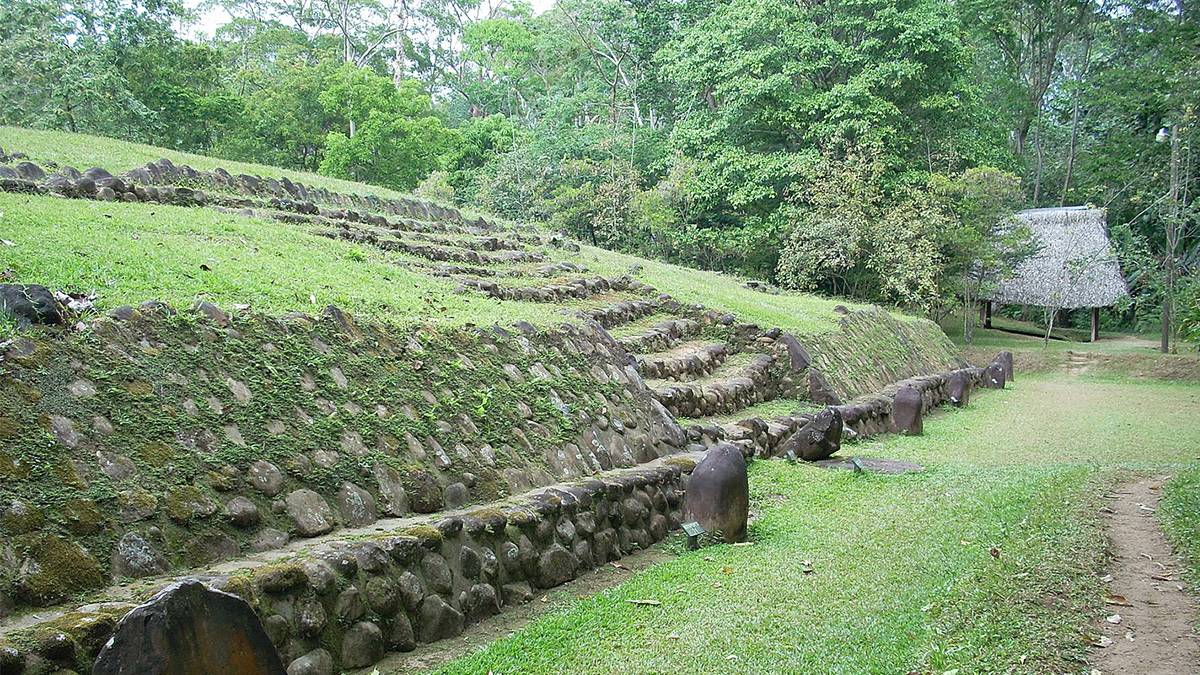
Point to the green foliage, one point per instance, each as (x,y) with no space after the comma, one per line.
(394,139)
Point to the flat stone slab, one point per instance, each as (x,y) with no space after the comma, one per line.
(888,466)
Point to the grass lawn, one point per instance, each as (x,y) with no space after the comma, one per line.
(129,253)
(83,151)
(988,561)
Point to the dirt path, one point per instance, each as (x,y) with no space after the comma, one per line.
(1150,628)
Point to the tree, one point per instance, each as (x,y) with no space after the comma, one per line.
(981,242)
(399,139)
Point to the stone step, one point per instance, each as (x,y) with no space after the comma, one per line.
(686,361)
(733,387)
(660,336)
(577,289)
(626,311)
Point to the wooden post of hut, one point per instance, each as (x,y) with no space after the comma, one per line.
(1074,268)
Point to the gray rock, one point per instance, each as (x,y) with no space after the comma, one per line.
(437,573)
(718,494)
(310,513)
(316,662)
(439,620)
(818,439)
(517,593)
(349,605)
(482,602)
(356,506)
(993,376)
(400,635)
(391,490)
(241,512)
(958,389)
(311,618)
(383,596)
(191,629)
(426,495)
(135,557)
(268,539)
(1005,359)
(456,495)
(265,477)
(411,590)
(555,566)
(906,411)
(362,645)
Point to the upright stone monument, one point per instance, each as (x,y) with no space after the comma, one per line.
(906,411)
(189,629)
(718,494)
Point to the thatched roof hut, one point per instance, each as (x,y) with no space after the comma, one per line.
(1075,266)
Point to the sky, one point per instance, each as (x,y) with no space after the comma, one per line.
(210,17)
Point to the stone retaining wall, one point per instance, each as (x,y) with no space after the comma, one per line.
(159,440)
(866,416)
(343,604)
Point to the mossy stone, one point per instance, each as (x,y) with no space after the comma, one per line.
(21,517)
(156,454)
(188,502)
(56,569)
(83,516)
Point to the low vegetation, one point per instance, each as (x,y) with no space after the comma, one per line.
(988,561)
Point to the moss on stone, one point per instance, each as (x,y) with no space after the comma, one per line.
(156,453)
(82,516)
(57,569)
(186,502)
(280,577)
(683,462)
(424,533)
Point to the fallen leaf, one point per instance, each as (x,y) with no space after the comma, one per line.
(994,552)
(650,603)
(727,570)
(1114,619)
(1117,600)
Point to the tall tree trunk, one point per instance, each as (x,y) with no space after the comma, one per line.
(1172,242)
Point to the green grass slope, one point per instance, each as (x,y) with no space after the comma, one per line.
(133,252)
(988,561)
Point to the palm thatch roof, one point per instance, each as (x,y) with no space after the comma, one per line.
(1075,266)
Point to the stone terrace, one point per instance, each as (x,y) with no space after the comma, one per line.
(366,490)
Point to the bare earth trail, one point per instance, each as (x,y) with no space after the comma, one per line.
(1155,633)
